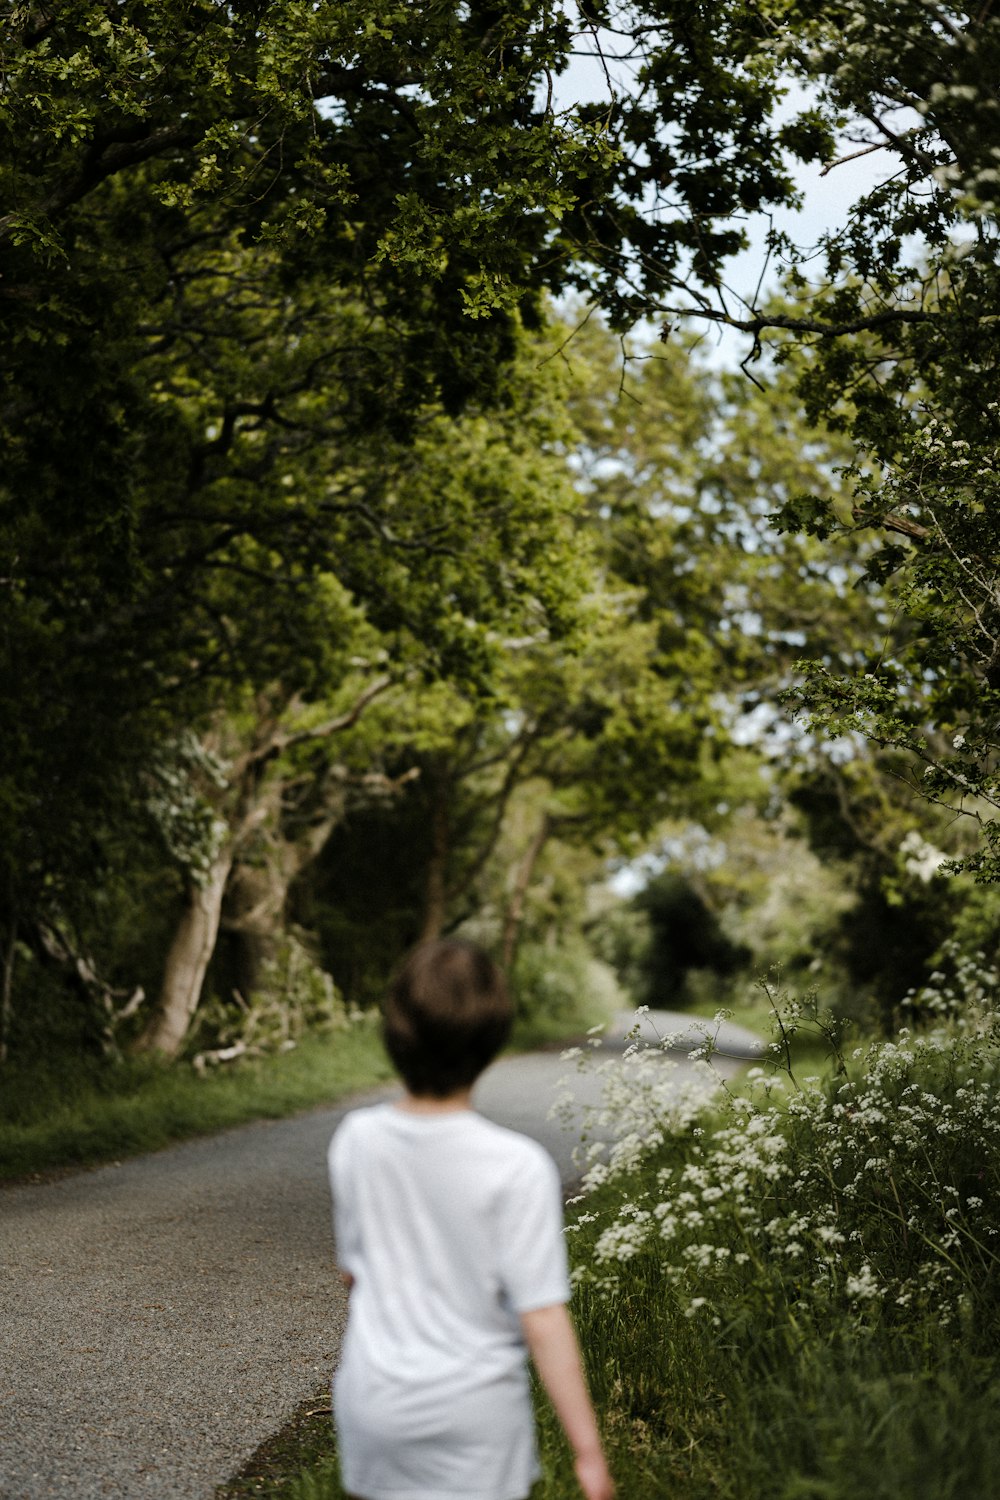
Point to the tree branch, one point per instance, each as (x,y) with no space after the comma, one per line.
(765,321)
(900,524)
(99,165)
(278,741)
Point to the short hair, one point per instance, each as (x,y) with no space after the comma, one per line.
(446,1016)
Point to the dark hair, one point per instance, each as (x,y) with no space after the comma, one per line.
(446,1016)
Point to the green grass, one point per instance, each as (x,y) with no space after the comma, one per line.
(834,1421)
(74,1115)
(840,1345)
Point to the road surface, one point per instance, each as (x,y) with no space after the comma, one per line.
(160,1318)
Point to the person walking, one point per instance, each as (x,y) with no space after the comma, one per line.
(449,1234)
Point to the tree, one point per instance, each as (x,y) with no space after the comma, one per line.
(248,851)
(697,614)
(932,701)
(233,236)
(588,723)
(910,286)
(237,241)
(891,319)
(684,934)
(436,601)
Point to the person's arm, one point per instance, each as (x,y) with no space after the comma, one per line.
(551,1340)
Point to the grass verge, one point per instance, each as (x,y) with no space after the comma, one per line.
(76,1112)
(302,1453)
(74,1116)
(793,1295)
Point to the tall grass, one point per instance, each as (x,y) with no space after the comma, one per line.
(796,1295)
(788,1290)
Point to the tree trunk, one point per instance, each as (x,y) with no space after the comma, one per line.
(436,887)
(251,801)
(252,920)
(515,907)
(187,961)
(7,990)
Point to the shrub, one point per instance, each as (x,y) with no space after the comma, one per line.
(870,1195)
(294,998)
(786,1289)
(560,991)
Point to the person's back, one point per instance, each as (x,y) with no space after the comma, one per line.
(449,1232)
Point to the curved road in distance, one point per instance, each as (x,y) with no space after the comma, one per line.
(162,1317)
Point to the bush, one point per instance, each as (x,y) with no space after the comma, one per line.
(870,1196)
(560,992)
(790,1290)
(294,998)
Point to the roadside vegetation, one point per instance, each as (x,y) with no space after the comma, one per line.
(795,1294)
(67,1112)
(71,1116)
(787,1290)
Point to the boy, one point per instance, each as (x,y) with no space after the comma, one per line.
(449,1234)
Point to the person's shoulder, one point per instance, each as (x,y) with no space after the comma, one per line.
(522,1152)
(356,1126)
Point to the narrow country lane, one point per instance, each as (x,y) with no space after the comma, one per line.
(161,1317)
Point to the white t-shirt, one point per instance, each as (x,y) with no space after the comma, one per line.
(451,1226)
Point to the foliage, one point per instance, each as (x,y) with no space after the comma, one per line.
(655,941)
(272,110)
(619,935)
(683,470)
(293,999)
(778,894)
(910,283)
(362,899)
(931,697)
(560,992)
(219,301)
(917,271)
(691,621)
(889,320)
(414,601)
(685,934)
(865,1198)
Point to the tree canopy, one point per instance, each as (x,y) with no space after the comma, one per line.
(275,427)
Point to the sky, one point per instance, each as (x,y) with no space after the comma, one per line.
(827,200)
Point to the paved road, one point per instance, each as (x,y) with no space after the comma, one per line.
(160,1318)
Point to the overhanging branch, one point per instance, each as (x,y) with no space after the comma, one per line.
(765,321)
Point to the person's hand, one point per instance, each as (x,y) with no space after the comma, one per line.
(594,1479)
